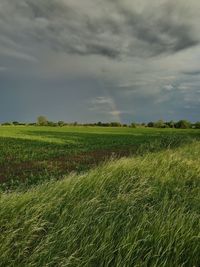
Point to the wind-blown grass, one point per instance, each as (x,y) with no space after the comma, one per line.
(142,211)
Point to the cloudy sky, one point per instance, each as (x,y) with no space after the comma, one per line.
(99,60)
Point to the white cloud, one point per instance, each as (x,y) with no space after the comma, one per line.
(169,87)
(102,100)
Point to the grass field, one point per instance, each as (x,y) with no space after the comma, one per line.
(65,203)
(29,155)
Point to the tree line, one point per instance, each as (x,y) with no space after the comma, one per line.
(43,121)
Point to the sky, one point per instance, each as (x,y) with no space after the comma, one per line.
(99,60)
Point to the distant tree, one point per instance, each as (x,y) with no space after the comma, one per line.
(133,125)
(115,124)
(75,123)
(6,124)
(99,123)
(183,124)
(106,124)
(165,126)
(42,121)
(197,125)
(61,123)
(171,124)
(15,123)
(150,124)
(52,124)
(159,124)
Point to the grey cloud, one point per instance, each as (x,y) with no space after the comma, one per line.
(111,30)
(162,28)
(192,72)
(134,72)
(102,100)
(3,68)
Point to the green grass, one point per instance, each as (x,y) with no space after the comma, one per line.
(67,200)
(31,155)
(139,211)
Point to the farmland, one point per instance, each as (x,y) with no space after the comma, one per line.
(30,155)
(92,196)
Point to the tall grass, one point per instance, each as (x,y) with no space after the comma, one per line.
(142,211)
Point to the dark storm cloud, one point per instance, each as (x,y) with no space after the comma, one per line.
(112,30)
(98,60)
(191,72)
(162,29)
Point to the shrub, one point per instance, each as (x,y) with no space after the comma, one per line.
(183,124)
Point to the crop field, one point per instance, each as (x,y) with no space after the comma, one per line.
(99,197)
(29,155)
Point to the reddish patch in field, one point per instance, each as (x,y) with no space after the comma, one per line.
(62,165)
(2,178)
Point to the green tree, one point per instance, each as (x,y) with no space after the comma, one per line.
(133,125)
(183,124)
(99,123)
(197,125)
(16,123)
(159,124)
(150,124)
(115,124)
(52,124)
(61,123)
(42,121)
(6,124)
(171,124)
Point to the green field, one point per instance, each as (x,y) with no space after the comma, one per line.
(29,155)
(99,197)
